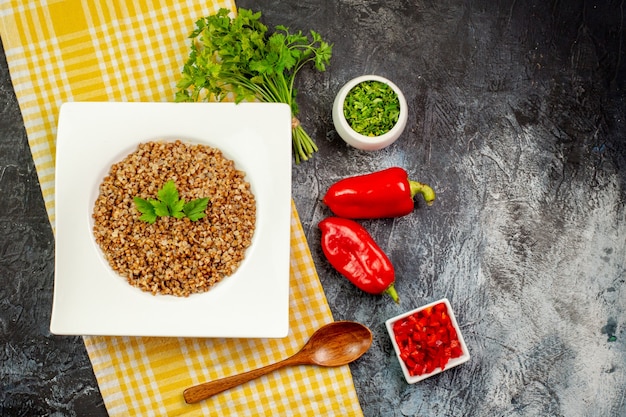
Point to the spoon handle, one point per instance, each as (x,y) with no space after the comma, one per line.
(203,391)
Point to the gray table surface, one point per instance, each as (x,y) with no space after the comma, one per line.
(517,119)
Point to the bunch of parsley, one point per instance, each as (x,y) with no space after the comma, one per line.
(238,56)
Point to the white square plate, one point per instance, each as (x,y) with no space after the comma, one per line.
(91,299)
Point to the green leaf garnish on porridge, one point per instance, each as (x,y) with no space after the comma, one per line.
(170,204)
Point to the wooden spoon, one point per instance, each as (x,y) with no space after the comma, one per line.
(334,344)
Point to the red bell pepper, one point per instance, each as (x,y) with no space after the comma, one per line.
(386,193)
(352,251)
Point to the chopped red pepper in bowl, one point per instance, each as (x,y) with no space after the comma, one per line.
(427,341)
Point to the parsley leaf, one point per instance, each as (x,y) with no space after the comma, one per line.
(170,204)
(160,208)
(239,57)
(168,194)
(146,209)
(195,208)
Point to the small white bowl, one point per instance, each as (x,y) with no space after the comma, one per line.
(356,139)
(452,362)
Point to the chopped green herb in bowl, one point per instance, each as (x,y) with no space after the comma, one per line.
(370,112)
(372,108)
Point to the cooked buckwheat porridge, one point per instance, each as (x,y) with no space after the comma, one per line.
(175,256)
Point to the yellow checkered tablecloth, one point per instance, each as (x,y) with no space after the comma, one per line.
(103,50)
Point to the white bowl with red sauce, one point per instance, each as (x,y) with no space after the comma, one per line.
(427,341)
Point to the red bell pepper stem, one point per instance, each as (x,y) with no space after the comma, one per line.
(424,189)
(391,290)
